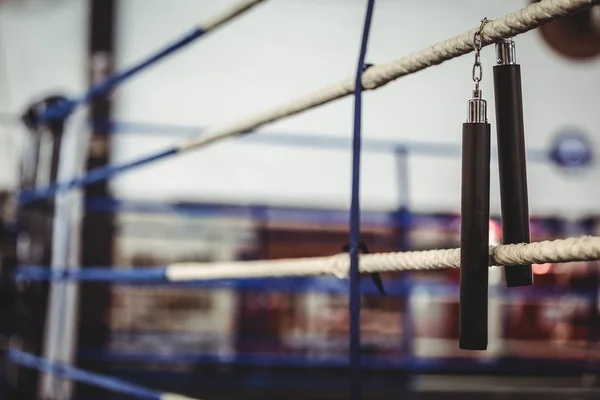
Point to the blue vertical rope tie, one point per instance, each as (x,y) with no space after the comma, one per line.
(354,306)
(101,88)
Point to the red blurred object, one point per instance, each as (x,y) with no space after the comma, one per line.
(541,269)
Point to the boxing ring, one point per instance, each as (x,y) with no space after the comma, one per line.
(65,275)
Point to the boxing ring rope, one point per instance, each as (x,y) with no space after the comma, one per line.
(566,250)
(376,76)
(585,248)
(65,109)
(106,382)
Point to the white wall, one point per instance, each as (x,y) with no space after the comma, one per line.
(42,52)
(286,48)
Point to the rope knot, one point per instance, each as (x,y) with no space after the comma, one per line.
(340,266)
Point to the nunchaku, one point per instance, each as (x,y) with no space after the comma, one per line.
(475,189)
(510,134)
(475,215)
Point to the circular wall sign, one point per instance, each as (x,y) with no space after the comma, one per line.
(572,149)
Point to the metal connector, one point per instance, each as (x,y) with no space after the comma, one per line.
(477,109)
(506,53)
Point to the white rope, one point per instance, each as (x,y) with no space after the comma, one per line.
(508,26)
(584,248)
(173,396)
(236,10)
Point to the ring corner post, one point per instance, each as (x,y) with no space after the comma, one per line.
(97,227)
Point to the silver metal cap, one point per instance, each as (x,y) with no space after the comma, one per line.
(477,109)
(506,53)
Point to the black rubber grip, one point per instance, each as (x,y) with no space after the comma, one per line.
(512,167)
(474,236)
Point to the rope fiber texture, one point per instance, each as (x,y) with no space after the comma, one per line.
(585,248)
(374,77)
(377,76)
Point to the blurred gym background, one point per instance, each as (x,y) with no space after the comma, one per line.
(283,192)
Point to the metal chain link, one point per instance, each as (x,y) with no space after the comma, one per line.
(477,73)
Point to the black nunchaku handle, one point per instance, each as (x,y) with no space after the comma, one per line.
(474,236)
(512,167)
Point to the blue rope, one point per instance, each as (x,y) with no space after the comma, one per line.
(93,274)
(106,382)
(354,307)
(537,155)
(99,174)
(65,109)
(395,287)
(93,176)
